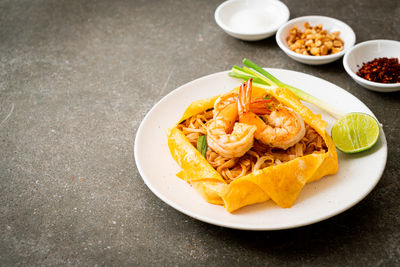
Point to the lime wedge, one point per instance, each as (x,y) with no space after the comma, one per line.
(355,132)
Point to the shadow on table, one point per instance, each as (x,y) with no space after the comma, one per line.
(347,231)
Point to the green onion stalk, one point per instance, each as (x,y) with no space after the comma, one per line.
(202,145)
(264,79)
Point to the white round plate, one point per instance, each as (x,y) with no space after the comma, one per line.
(357,176)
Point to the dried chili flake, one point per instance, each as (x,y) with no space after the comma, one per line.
(381,70)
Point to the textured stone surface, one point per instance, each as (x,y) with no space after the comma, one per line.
(77,78)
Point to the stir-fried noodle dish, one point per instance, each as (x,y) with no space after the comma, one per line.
(259,156)
(246,132)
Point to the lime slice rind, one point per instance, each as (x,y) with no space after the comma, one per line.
(355,132)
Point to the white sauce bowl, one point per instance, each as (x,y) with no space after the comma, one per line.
(251,20)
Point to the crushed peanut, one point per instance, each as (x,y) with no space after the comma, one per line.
(314,41)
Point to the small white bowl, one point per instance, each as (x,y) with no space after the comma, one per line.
(251,20)
(368,51)
(330,24)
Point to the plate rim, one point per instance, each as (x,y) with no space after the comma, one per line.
(241,226)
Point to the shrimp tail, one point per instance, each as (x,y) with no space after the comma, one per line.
(245,96)
(244,110)
(260,106)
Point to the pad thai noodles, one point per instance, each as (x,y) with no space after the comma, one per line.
(246,134)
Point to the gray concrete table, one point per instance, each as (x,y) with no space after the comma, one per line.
(76,80)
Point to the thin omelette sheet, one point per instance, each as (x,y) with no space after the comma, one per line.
(281,183)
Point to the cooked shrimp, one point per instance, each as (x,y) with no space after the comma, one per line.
(224,140)
(223,101)
(282,128)
(257,105)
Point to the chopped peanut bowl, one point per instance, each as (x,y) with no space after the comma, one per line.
(315,40)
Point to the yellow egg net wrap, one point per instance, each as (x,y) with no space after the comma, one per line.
(281,183)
